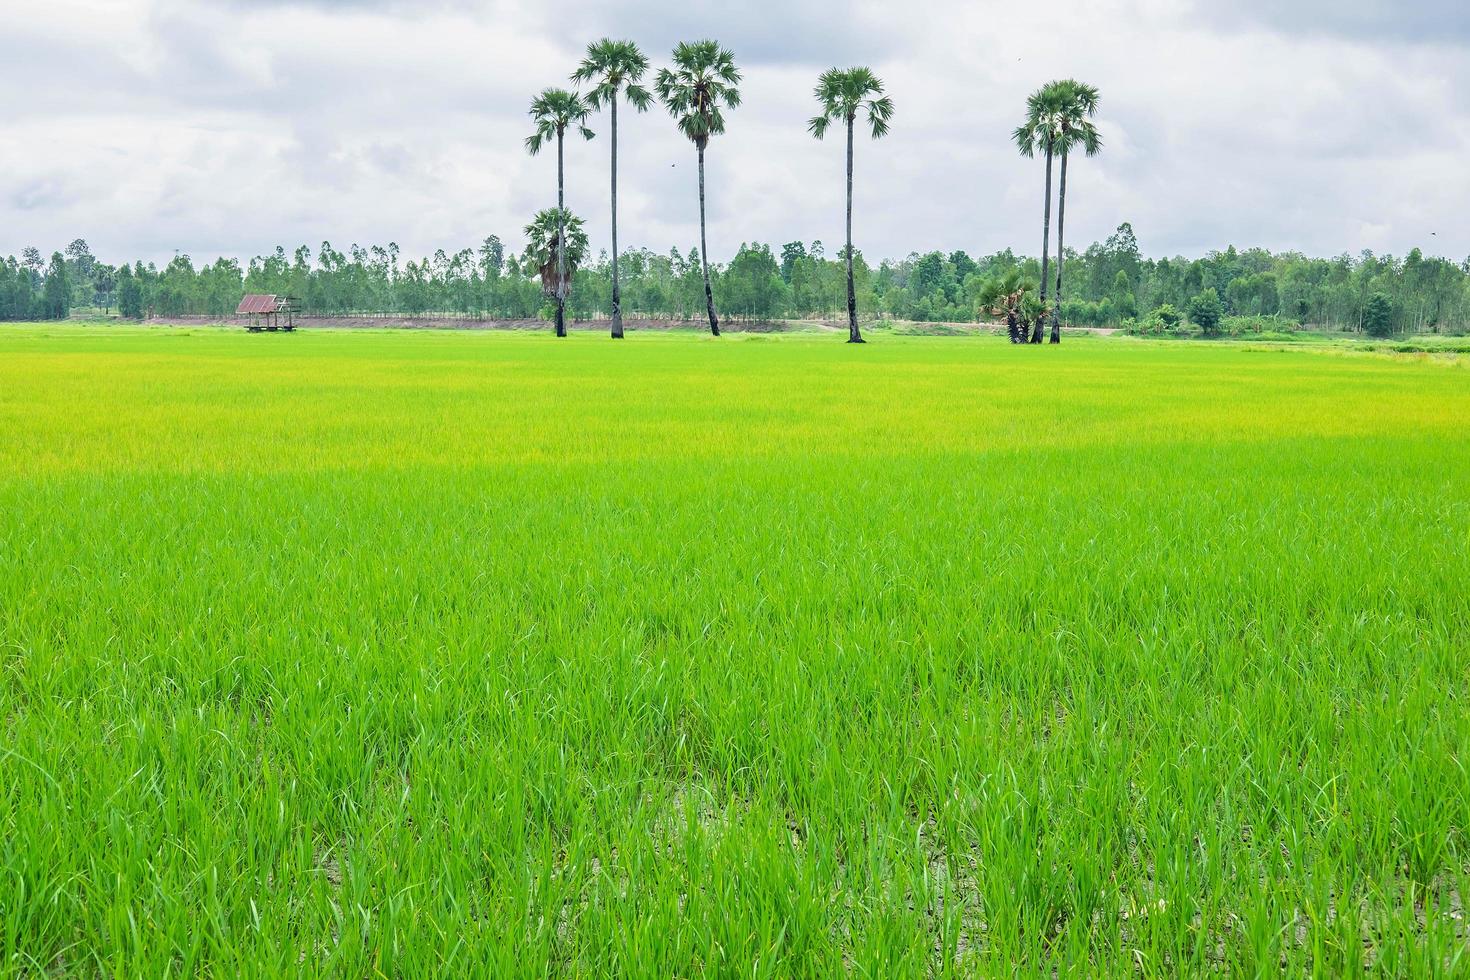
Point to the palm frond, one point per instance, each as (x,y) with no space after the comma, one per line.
(1076,104)
(842,93)
(553,112)
(699,86)
(613,67)
(880,115)
(638,97)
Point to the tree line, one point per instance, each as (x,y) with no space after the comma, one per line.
(1112,285)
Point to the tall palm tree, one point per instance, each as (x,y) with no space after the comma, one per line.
(555,111)
(696,91)
(614,68)
(1075,129)
(842,95)
(1039,134)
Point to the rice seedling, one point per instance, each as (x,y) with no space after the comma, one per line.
(409,654)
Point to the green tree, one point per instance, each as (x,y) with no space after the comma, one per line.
(1039,134)
(752,284)
(1167,316)
(16,293)
(56,293)
(1078,105)
(129,294)
(697,91)
(492,257)
(842,94)
(1378,315)
(1206,311)
(614,67)
(80,263)
(791,252)
(555,111)
(104,285)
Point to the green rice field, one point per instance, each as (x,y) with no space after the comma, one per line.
(416,653)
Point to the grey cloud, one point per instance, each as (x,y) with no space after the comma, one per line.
(1422,21)
(799,31)
(231,126)
(42,194)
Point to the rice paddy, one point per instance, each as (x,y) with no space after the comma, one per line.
(392,654)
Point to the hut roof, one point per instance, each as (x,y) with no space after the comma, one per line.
(258,303)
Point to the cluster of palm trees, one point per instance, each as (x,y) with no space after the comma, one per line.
(697,90)
(701,84)
(1058,120)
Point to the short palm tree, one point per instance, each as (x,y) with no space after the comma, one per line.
(614,68)
(555,111)
(557,266)
(1012,296)
(1039,133)
(1075,129)
(696,91)
(842,95)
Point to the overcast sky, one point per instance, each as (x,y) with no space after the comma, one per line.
(228,126)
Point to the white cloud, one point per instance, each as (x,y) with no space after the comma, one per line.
(228,127)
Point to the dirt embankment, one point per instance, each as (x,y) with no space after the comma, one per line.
(732,325)
(465,323)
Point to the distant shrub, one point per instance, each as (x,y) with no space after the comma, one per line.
(1247,326)
(1158,321)
(1378,316)
(1429,347)
(1167,317)
(1207,311)
(1080,313)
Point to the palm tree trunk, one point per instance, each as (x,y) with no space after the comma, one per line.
(617,299)
(1056,309)
(561,241)
(1045,250)
(854,336)
(709,293)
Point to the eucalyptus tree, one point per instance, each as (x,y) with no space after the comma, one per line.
(614,68)
(1074,130)
(1039,133)
(697,90)
(842,95)
(555,111)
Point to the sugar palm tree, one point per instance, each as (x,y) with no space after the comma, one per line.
(842,95)
(1075,129)
(1039,133)
(1010,295)
(555,111)
(696,91)
(614,68)
(547,230)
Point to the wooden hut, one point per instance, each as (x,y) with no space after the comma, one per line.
(267,311)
